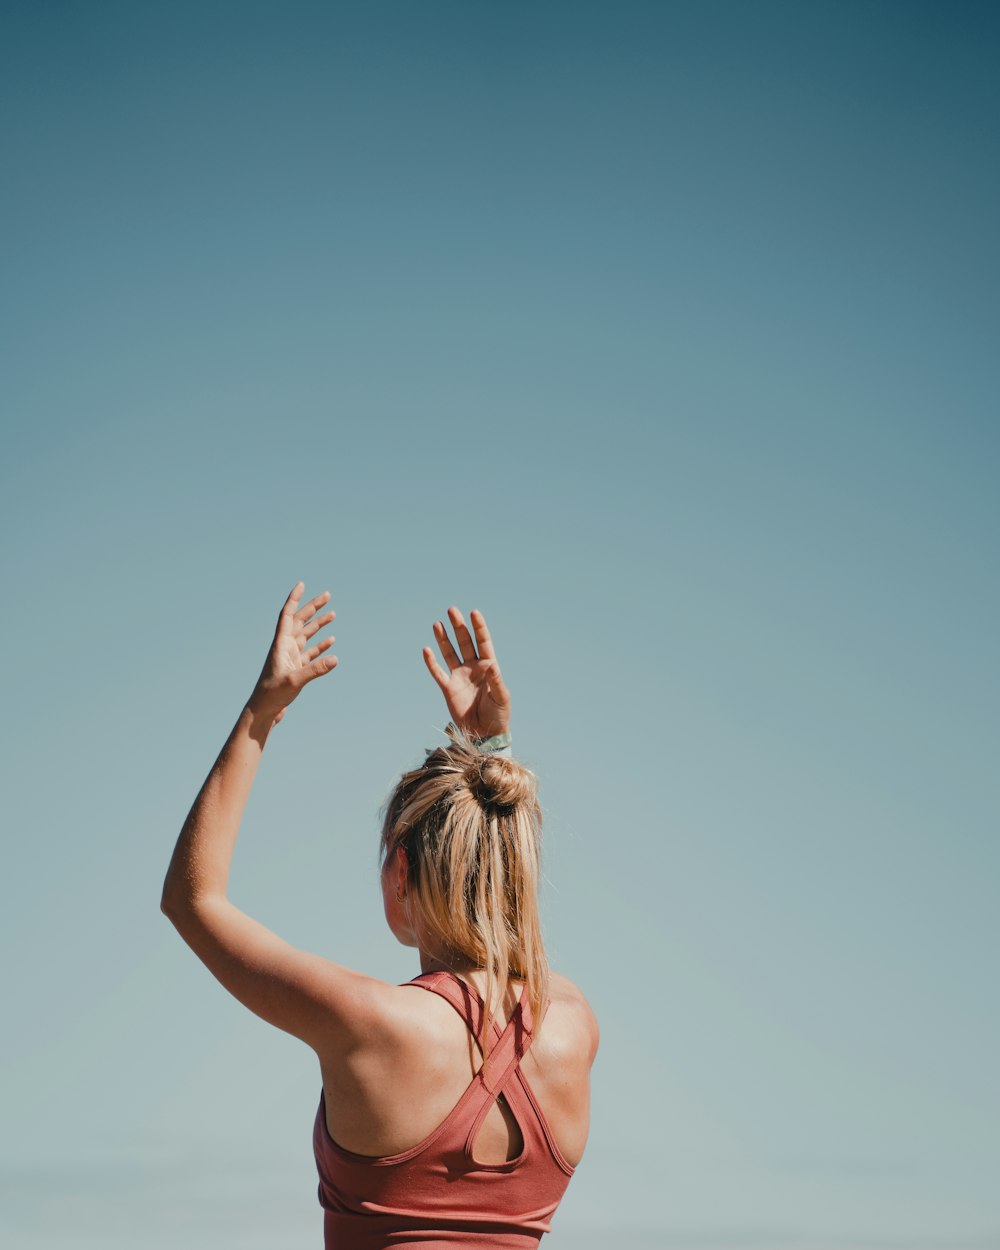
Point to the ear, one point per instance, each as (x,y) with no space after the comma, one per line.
(402,872)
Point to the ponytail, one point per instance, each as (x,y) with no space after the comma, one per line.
(470,825)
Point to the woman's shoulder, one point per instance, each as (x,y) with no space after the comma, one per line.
(570,1019)
(398,1016)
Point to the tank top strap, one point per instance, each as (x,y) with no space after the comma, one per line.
(462,996)
(506,1054)
(468,1002)
(509,1045)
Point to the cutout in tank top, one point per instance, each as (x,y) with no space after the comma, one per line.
(438,1183)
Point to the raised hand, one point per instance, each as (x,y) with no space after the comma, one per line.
(290,664)
(477,698)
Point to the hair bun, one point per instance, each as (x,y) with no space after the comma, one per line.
(497,781)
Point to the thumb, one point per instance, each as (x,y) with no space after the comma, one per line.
(498,692)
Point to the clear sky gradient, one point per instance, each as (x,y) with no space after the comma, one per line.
(665,334)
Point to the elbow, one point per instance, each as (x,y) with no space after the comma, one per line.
(174,902)
(181,914)
(184,909)
(179,894)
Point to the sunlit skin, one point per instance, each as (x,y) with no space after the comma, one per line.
(394,1060)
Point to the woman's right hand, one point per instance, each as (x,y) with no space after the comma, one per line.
(477,698)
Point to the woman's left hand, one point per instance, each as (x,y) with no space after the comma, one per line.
(290,664)
(477,698)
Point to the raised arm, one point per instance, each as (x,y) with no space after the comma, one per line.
(321,1002)
(199,868)
(472,686)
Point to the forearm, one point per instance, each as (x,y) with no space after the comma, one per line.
(199,868)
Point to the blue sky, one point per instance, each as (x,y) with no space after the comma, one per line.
(665,335)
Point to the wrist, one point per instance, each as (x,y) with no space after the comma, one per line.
(494,743)
(259,713)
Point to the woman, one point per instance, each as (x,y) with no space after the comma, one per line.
(419,1140)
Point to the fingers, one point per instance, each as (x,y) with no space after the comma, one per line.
(295,620)
(462,635)
(436,671)
(290,606)
(319,668)
(318,649)
(483,640)
(303,614)
(315,626)
(480,649)
(445,647)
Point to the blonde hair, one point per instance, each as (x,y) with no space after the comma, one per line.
(470,825)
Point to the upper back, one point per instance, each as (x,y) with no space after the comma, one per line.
(397,1149)
(393,1088)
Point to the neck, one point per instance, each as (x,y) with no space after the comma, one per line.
(475,975)
(446,961)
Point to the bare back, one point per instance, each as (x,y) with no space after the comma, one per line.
(391,1091)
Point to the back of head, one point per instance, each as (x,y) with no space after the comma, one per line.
(470,826)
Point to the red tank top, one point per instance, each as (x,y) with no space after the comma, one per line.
(436,1196)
